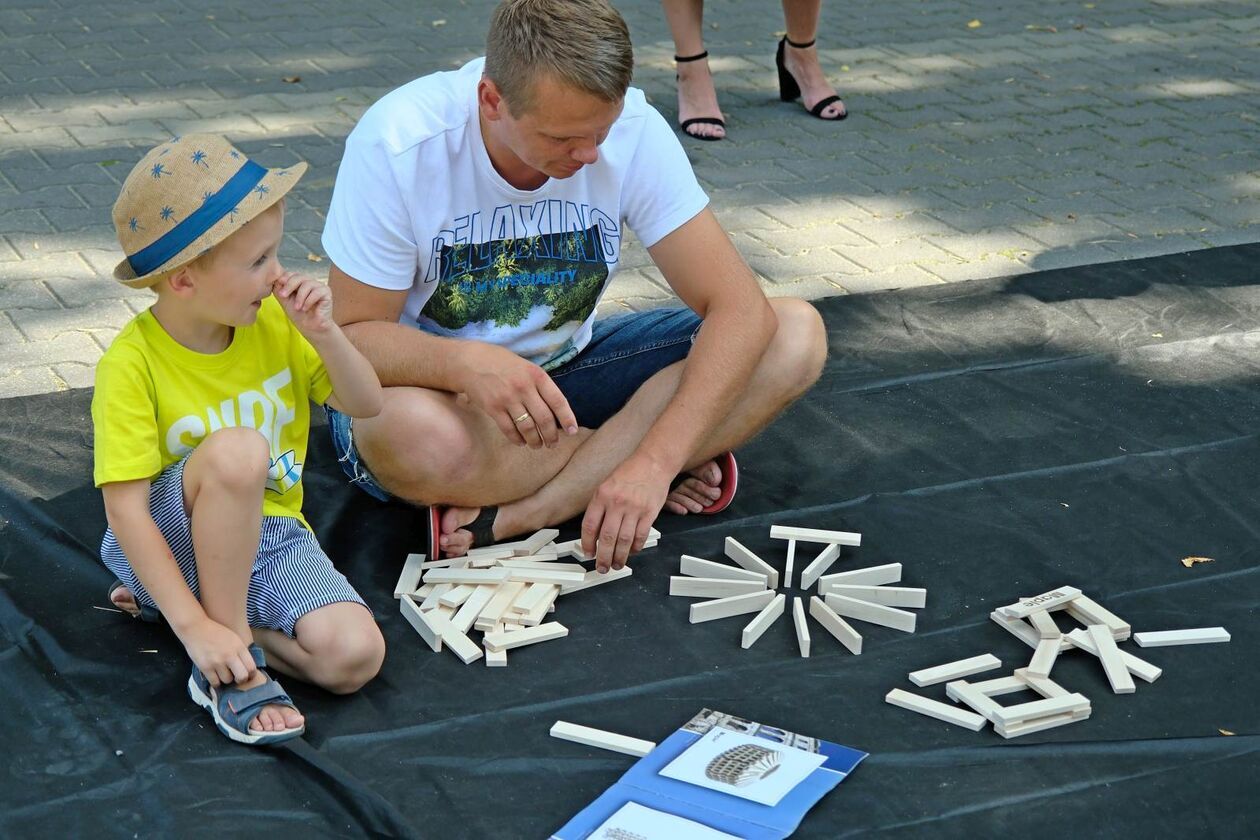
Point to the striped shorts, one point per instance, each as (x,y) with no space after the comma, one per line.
(291,577)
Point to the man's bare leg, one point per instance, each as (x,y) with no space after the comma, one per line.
(789,367)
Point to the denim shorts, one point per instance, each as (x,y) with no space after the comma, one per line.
(623,353)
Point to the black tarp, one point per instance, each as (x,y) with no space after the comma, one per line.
(1089,427)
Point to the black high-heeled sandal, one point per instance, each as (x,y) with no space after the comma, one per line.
(790,91)
(683,126)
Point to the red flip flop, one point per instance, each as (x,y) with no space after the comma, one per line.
(730,483)
(482,529)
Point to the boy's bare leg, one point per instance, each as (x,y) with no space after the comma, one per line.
(789,367)
(337,647)
(224,479)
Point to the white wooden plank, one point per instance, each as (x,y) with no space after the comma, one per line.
(961,691)
(699,567)
(425,625)
(600,739)
(498,550)
(572,548)
(1195,636)
(836,626)
(954,670)
(1040,724)
(531,563)
(1139,668)
(534,543)
(871,575)
(1000,685)
(790,564)
(819,565)
(410,577)
(727,607)
(692,587)
(1044,624)
(496,608)
(531,597)
(461,645)
(1017,627)
(431,600)
(889,596)
(528,636)
(1045,601)
(815,535)
(470,609)
(935,709)
(802,626)
(1008,715)
(768,615)
(457,596)
(1109,655)
(1088,611)
(1044,657)
(473,576)
(539,612)
(594,578)
(871,613)
(741,555)
(557,576)
(1044,686)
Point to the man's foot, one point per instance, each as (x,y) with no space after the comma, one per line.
(125,600)
(805,69)
(697,98)
(272,718)
(701,489)
(455,540)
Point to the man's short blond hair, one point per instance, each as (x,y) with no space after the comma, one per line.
(583,43)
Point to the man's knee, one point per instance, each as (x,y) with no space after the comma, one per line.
(799,347)
(417,442)
(345,644)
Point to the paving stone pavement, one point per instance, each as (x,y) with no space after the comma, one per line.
(985,139)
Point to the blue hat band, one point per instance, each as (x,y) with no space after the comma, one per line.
(149,259)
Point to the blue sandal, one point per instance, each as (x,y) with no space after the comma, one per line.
(235,708)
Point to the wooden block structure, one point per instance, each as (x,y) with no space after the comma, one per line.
(1057,707)
(871,613)
(1197,636)
(409,580)
(1044,657)
(600,739)
(1109,655)
(1139,668)
(1040,603)
(528,636)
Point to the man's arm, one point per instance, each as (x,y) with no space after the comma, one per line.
(497,381)
(708,274)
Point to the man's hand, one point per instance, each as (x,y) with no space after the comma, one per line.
(623,509)
(518,395)
(218,653)
(307,302)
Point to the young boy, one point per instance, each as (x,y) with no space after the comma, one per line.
(201,415)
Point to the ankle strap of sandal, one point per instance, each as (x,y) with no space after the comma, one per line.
(684,59)
(792,43)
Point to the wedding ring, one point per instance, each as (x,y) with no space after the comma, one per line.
(521,419)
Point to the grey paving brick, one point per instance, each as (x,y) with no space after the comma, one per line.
(893,277)
(48,324)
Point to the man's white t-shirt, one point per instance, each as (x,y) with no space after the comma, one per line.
(419,206)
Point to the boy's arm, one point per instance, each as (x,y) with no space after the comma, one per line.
(356,390)
(220,654)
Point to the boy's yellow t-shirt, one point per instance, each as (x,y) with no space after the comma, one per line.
(156,400)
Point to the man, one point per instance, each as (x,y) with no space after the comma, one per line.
(475,223)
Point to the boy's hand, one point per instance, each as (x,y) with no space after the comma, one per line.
(218,653)
(307,302)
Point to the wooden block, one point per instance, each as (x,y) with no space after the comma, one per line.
(1044,625)
(935,709)
(698,567)
(961,691)
(528,636)
(1018,628)
(1023,712)
(430,601)
(1000,685)
(534,544)
(1088,611)
(768,615)
(889,596)
(557,576)
(836,626)
(600,739)
(1044,601)
(871,575)
(426,625)
(691,587)
(1109,655)
(954,670)
(499,550)
(741,555)
(572,548)
(791,562)
(496,608)
(819,565)
(434,564)
(1197,636)
(457,596)
(596,579)
(1139,668)
(531,563)
(468,612)
(473,576)
(482,562)
(531,597)
(814,535)
(727,607)
(461,645)
(1043,657)
(496,659)
(1039,725)
(444,611)
(802,626)
(424,590)
(410,577)
(1044,686)
(540,610)
(871,613)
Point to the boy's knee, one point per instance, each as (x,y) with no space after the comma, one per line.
(346,654)
(235,456)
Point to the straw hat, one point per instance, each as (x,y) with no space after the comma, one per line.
(186,196)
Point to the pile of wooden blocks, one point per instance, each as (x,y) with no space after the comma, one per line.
(503,590)
(1030,621)
(750,587)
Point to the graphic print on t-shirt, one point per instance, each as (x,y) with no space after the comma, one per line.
(525,292)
